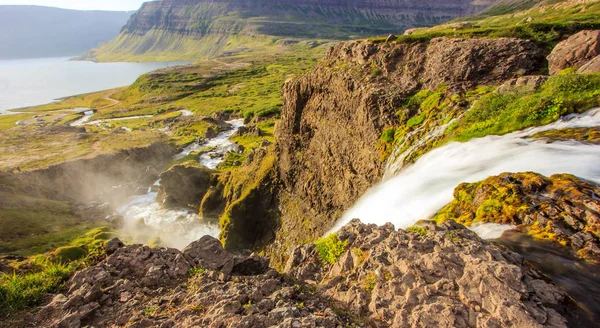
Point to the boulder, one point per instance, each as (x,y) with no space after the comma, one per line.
(593,66)
(113,245)
(184,185)
(209,253)
(575,51)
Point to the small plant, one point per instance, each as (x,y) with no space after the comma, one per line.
(196,271)
(197,309)
(417,230)
(330,248)
(151,311)
(300,305)
(248,305)
(370,282)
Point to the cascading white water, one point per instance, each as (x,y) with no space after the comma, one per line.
(420,190)
(176,228)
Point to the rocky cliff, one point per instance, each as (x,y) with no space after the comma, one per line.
(333,116)
(188,29)
(380,278)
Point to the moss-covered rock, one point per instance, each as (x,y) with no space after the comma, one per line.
(69,254)
(561,208)
(251,217)
(184,185)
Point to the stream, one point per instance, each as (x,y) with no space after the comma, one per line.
(147,220)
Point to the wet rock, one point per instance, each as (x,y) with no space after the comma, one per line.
(251,130)
(575,52)
(184,185)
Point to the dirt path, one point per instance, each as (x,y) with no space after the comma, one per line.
(108,97)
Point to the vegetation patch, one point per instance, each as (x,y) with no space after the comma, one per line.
(330,248)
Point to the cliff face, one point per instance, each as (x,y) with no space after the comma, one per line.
(197,28)
(333,117)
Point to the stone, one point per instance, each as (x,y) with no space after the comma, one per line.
(593,66)
(524,83)
(575,52)
(184,186)
(209,253)
(113,245)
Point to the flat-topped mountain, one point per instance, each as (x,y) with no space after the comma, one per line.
(34,31)
(188,29)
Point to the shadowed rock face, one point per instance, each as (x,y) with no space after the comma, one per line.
(184,186)
(333,116)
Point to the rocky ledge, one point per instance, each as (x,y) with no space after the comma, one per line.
(561,208)
(443,276)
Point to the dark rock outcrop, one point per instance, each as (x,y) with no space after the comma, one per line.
(560,208)
(575,52)
(185,185)
(333,117)
(444,276)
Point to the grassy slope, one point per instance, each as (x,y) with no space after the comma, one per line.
(546,23)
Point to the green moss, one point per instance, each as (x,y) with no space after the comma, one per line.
(69,254)
(421,231)
(417,120)
(330,248)
(501,113)
(370,282)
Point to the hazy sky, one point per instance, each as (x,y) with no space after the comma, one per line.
(123,5)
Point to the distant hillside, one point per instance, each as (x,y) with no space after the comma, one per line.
(33,31)
(189,29)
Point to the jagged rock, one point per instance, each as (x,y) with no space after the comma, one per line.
(184,185)
(560,208)
(593,66)
(251,130)
(113,245)
(524,83)
(209,253)
(142,287)
(447,277)
(575,51)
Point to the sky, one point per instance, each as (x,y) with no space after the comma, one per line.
(118,5)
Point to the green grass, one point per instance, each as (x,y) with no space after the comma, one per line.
(330,248)
(417,230)
(20,291)
(501,113)
(545,26)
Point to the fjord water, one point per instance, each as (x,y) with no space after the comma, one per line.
(30,82)
(418,191)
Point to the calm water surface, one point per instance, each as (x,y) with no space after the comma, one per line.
(29,82)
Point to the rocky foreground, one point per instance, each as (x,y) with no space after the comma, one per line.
(436,276)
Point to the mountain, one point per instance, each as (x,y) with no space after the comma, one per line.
(188,29)
(34,31)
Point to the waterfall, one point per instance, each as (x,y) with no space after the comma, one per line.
(418,191)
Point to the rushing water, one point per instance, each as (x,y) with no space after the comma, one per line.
(30,82)
(420,190)
(176,228)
